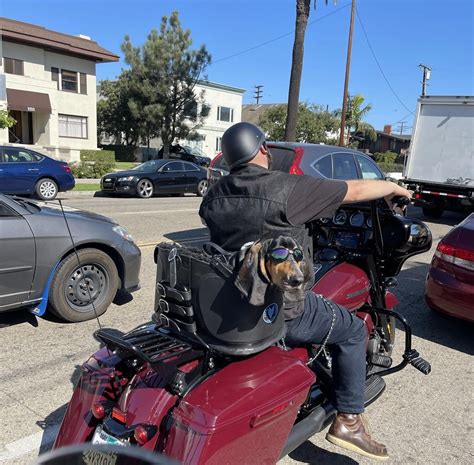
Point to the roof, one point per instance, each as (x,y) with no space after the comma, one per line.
(216,85)
(38,36)
(251,113)
(402,137)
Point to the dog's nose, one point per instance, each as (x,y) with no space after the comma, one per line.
(295,281)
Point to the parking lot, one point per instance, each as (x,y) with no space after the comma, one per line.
(422,419)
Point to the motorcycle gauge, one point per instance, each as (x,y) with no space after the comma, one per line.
(369,222)
(340,217)
(357,219)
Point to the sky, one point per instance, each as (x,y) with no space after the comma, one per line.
(251,44)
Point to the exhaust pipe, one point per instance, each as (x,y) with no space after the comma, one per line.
(315,422)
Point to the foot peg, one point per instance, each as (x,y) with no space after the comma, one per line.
(381,360)
(413,357)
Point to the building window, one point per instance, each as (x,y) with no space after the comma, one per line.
(218,144)
(69,80)
(55,76)
(13,66)
(225,114)
(73,126)
(83,83)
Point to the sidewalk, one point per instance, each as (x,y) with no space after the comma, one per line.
(87,181)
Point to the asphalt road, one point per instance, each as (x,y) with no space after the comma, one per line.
(422,419)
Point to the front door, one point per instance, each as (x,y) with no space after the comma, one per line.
(22,131)
(171,178)
(17,258)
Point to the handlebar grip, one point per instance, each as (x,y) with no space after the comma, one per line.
(401,201)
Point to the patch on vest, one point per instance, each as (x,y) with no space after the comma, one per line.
(270,313)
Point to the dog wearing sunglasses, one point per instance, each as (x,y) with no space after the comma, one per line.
(276,262)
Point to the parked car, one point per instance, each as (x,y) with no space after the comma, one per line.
(321,161)
(157,177)
(187,153)
(450,281)
(24,171)
(38,263)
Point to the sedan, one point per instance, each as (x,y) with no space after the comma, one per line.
(24,171)
(450,281)
(321,161)
(74,260)
(158,177)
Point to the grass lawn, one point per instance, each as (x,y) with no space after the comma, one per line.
(87,187)
(124,165)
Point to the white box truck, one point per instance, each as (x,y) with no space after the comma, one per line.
(440,162)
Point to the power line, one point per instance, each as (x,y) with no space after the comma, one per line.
(406,116)
(278,37)
(380,67)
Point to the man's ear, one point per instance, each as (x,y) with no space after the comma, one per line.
(249,280)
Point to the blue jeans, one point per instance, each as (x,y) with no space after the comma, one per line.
(347,344)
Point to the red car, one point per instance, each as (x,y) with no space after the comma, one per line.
(450,281)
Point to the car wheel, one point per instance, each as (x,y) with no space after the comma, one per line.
(145,189)
(83,289)
(46,189)
(202,188)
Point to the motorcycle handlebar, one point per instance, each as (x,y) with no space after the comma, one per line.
(401,201)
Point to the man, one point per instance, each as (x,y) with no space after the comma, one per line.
(254,203)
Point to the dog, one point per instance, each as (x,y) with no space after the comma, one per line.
(278,262)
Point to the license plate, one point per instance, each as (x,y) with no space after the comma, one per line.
(101,437)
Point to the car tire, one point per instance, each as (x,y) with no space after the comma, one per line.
(201,189)
(145,189)
(46,189)
(70,295)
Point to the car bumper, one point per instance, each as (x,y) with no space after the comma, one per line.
(119,188)
(132,258)
(445,294)
(67,185)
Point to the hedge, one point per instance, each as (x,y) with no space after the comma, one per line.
(94,164)
(122,152)
(391,167)
(98,155)
(385,157)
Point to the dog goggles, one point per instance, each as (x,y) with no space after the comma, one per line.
(280,254)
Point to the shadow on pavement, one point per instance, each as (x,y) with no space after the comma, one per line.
(425,323)
(17,317)
(313,455)
(448,218)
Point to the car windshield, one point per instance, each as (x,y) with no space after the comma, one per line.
(29,205)
(151,165)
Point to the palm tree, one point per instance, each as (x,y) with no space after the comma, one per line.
(355,114)
(303,8)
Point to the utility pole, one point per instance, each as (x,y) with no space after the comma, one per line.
(346,80)
(258,93)
(426,76)
(401,126)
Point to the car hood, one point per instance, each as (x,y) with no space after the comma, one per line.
(50,208)
(122,174)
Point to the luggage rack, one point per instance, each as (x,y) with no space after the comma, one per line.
(147,343)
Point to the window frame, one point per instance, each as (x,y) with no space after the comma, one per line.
(313,166)
(67,123)
(191,164)
(356,165)
(67,80)
(370,162)
(55,75)
(219,114)
(162,169)
(83,83)
(15,62)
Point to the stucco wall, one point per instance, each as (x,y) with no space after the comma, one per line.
(37,78)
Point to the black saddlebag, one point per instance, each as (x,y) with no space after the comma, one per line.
(195,294)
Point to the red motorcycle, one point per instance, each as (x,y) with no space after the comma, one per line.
(205,383)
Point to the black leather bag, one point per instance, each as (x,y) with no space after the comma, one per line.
(195,293)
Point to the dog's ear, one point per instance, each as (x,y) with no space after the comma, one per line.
(251,278)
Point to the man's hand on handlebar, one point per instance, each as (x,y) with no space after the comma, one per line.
(399,200)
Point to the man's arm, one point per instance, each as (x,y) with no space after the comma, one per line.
(364,190)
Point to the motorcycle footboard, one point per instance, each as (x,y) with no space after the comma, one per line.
(410,355)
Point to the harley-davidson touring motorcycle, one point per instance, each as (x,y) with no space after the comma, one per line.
(210,381)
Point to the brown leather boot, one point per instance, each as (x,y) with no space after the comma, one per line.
(350,432)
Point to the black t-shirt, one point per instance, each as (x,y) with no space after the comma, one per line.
(314,198)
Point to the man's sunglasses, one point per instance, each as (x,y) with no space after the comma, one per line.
(280,254)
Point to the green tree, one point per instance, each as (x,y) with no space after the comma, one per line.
(6,121)
(117,113)
(303,8)
(167,71)
(313,123)
(356,113)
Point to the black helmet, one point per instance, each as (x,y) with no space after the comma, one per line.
(240,143)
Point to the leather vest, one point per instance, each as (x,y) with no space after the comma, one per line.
(250,204)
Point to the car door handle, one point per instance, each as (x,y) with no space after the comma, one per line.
(33,169)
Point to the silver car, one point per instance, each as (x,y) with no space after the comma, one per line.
(40,264)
